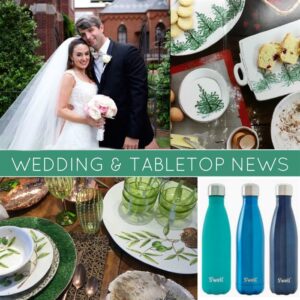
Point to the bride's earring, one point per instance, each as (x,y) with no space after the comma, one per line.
(72,63)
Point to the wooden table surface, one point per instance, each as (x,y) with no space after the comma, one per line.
(117,261)
(256,17)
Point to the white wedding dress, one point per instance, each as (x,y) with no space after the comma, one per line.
(77,136)
(31,122)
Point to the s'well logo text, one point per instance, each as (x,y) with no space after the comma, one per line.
(284,280)
(250,280)
(212,279)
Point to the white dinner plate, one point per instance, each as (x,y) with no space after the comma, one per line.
(195,85)
(285,125)
(124,235)
(38,267)
(209,25)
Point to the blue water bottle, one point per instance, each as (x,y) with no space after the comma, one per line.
(283,244)
(216,244)
(250,244)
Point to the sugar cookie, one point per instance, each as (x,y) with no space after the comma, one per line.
(185,11)
(185,23)
(174,16)
(186,2)
(175,31)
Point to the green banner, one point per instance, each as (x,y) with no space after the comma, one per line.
(181,163)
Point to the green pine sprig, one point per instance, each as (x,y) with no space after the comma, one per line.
(208,102)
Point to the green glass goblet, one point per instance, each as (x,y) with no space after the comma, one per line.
(61,188)
(89,208)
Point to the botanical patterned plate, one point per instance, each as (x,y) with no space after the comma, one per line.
(67,254)
(213,19)
(282,79)
(45,255)
(148,243)
(204,95)
(285,125)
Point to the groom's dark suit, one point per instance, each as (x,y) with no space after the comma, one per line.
(125,80)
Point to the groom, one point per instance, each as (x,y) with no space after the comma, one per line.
(120,73)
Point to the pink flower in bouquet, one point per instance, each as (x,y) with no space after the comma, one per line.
(101,106)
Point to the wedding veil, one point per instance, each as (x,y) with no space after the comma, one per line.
(31,122)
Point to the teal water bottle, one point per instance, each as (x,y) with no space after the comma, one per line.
(216,244)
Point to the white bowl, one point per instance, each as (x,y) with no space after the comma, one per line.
(19,252)
(210,82)
(285,124)
(242,129)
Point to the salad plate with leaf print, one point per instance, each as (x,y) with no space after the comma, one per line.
(204,95)
(44,255)
(282,79)
(212,20)
(170,250)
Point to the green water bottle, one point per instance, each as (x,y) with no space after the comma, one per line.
(216,244)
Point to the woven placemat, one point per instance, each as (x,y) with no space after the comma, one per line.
(94,251)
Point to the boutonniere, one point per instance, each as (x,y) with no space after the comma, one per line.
(106,58)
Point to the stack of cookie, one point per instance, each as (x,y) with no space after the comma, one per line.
(287,52)
(182,18)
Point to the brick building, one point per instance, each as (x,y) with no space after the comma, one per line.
(50,24)
(142,23)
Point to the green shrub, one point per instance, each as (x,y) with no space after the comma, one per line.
(69,27)
(18,62)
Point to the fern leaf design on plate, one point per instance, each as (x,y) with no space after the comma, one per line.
(289,74)
(266,82)
(221,15)
(234,7)
(206,25)
(208,102)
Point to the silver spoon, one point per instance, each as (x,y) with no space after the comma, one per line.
(79,278)
(91,287)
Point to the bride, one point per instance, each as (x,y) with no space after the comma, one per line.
(50,112)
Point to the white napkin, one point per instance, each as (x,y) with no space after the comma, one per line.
(3,213)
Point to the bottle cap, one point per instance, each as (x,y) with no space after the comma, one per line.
(284,190)
(250,189)
(216,189)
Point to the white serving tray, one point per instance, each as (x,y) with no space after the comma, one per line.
(262,87)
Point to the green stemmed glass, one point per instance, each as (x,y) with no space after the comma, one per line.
(61,187)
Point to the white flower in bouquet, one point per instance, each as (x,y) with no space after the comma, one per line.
(101,106)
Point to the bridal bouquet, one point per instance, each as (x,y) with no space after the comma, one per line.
(101,106)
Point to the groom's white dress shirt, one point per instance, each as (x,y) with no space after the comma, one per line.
(99,68)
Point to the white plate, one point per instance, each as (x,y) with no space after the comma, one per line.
(267,87)
(204,38)
(116,226)
(285,125)
(37,272)
(189,93)
(146,285)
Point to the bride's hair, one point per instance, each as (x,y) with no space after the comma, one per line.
(70,65)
